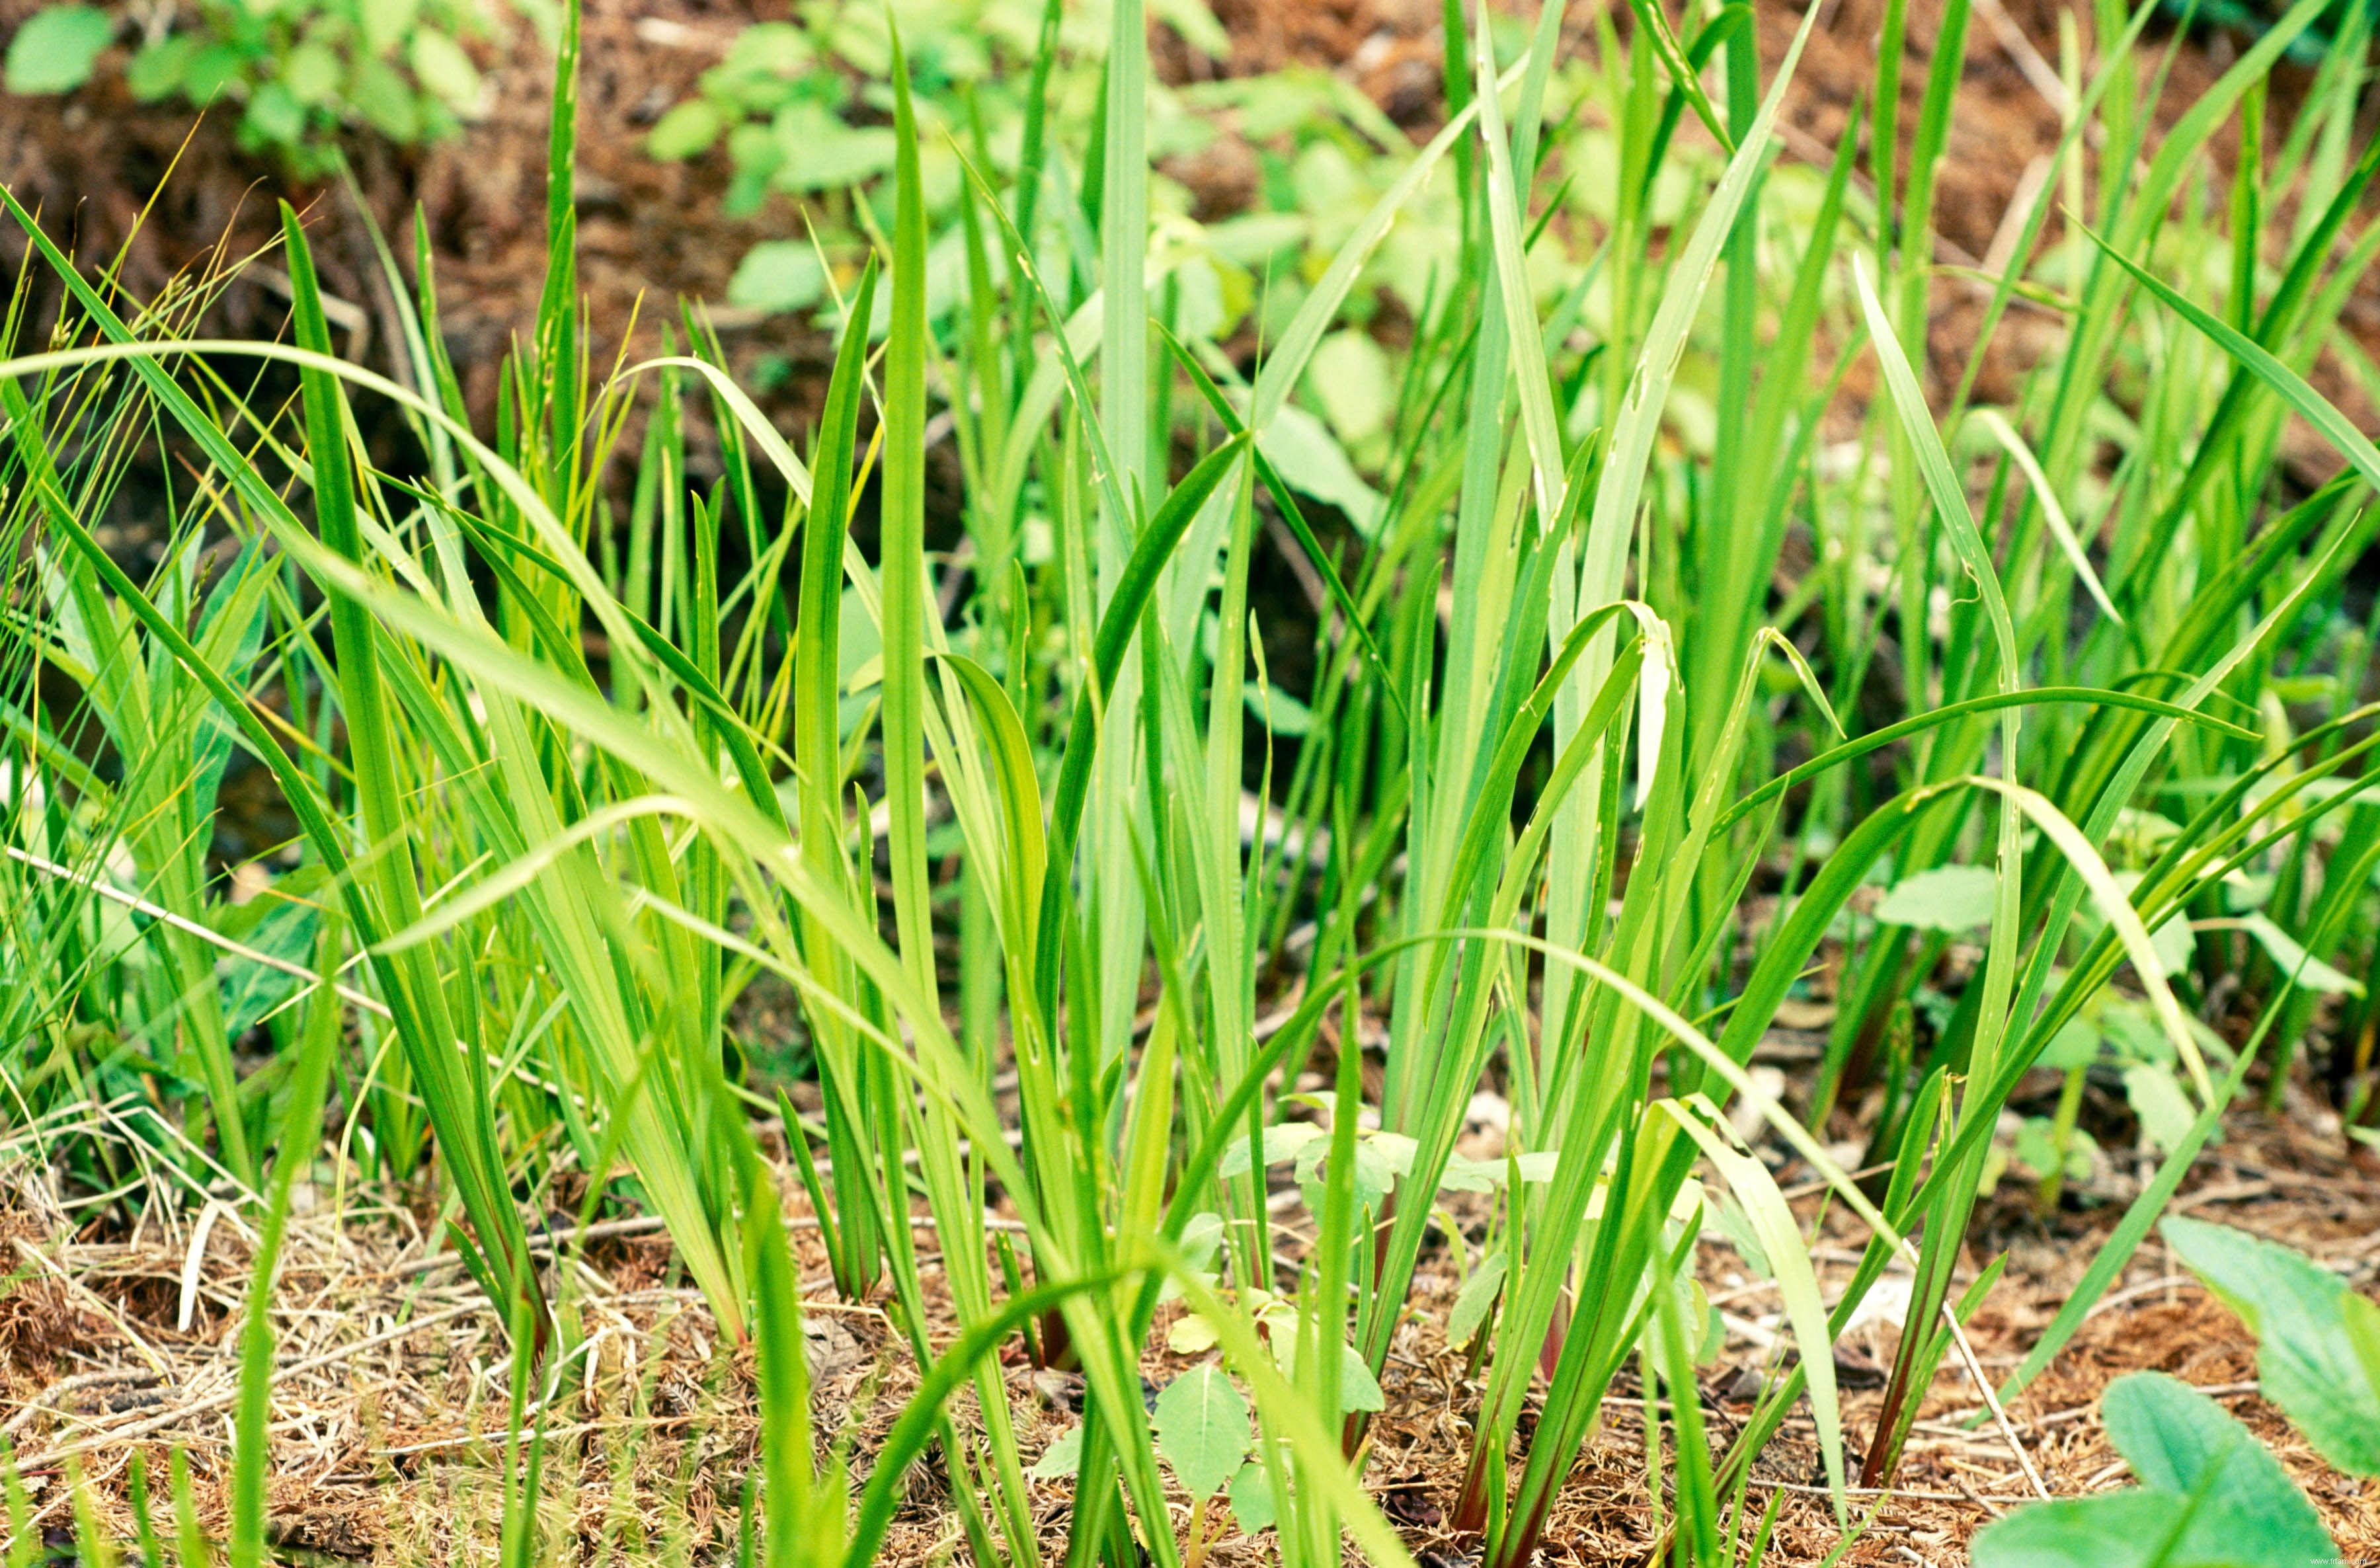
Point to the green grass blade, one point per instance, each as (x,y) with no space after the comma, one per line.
(2310,405)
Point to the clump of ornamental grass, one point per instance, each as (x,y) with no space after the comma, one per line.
(1073,897)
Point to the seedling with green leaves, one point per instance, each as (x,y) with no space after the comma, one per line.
(2210,1494)
(2319,1355)
(297,74)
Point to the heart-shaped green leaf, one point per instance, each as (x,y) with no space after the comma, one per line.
(2213,1497)
(1202,1429)
(2308,1356)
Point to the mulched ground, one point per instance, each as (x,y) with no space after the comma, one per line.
(390,1402)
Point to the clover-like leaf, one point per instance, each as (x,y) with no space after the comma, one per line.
(781,276)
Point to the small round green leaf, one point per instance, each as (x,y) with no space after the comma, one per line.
(687,129)
(778,275)
(1060,1459)
(156,70)
(312,73)
(2075,1045)
(1252,1506)
(274,118)
(2312,1330)
(386,101)
(2213,1497)
(55,49)
(444,70)
(213,70)
(388,21)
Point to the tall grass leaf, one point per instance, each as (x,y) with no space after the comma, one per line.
(1811,686)
(507,882)
(817,756)
(504,1258)
(2116,904)
(755,424)
(1996,425)
(903,544)
(1698,1501)
(1611,521)
(1683,77)
(494,663)
(1797,1279)
(1124,255)
(1286,363)
(1658,674)
(794,1522)
(1020,795)
(1506,203)
(1062,369)
(2310,405)
(1294,517)
(1639,418)
(300,1137)
(2039,695)
(1924,442)
(1117,622)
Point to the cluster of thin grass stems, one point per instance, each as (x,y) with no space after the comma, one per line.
(564,791)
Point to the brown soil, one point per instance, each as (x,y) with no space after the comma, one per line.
(648,232)
(651,233)
(387,1439)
